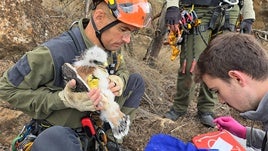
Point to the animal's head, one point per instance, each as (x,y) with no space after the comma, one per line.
(94,56)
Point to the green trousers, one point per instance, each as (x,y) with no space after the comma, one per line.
(191,48)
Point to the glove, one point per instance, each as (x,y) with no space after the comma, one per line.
(118,83)
(231,125)
(246,26)
(173,15)
(76,100)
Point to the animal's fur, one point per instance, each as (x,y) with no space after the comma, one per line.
(111,113)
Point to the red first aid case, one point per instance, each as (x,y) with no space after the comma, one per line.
(222,140)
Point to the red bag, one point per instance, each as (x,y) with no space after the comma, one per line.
(222,140)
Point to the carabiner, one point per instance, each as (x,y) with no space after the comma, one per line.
(231,2)
(102,136)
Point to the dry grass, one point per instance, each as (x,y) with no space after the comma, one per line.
(160,80)
(160,89)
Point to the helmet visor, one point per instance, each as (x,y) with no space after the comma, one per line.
(137,14)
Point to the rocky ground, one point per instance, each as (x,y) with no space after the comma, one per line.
(26,23)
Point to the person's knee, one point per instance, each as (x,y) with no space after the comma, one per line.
(136,80)
(57,138)
(134,91)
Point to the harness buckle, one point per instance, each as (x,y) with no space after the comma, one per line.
(99,135)
(231,2)
(26,137)
(102,136)
(228,4)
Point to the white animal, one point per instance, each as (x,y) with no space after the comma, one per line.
(90,69)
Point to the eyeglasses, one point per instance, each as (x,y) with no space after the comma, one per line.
(127,31)
(137,13)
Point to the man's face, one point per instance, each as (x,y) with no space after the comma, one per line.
(117,36)
(234,94)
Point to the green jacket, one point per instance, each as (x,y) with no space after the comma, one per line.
(247,10)
(36,94)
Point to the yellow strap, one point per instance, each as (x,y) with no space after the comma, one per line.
(111,2)
(28,146)
(172,40)
(192,8)
(119,60)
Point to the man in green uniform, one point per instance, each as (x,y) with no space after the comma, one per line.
(35,85)
(207,19)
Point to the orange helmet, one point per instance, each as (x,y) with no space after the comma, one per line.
(137,13)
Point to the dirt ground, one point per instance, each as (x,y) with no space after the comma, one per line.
(160,82)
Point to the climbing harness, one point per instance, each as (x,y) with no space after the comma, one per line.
(189,20)
(190,23)
(223,8)
(25,139)
(93,128)
(117,58)
(175,38)
(187,23)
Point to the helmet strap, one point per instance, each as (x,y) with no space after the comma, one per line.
(95,3)
(99,32)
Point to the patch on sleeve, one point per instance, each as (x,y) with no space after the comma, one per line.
(19,71)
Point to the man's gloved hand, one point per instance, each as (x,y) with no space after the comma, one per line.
(173,15)
(246,26)
(82,101)
(231,125)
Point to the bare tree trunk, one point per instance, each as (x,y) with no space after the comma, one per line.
(157,41)
(88,7)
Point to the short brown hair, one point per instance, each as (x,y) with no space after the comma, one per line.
(233,51)
(102,5)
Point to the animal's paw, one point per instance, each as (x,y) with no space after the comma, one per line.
(122,129)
